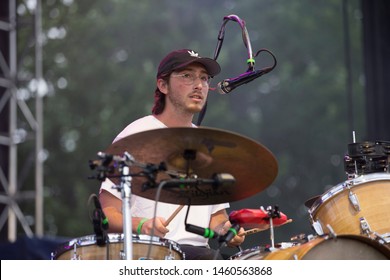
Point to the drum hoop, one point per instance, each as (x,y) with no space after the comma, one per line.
(247,253)
(88,240)
(148,240)
(361,179)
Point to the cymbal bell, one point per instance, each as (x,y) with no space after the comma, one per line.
(199,153)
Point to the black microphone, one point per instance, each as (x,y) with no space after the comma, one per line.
(230,234)
(98,206)
(228,85)
(217,180)
(205,232)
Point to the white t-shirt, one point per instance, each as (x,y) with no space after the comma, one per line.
(199,215)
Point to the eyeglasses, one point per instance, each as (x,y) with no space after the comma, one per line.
(190,78)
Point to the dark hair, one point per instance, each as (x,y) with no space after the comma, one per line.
(159,98)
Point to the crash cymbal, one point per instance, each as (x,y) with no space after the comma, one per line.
(199,153)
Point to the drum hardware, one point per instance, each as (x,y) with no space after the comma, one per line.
(352,196)
(367,157)
(170,255)
(86,248)
(126,210)
(301,238)
(354,201)
(122,255)
(272,213)
(332,233)
(75,256)
(382,238)
(316,225)
(365,227)
(106,166)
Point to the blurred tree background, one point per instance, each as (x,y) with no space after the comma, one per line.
(100,60)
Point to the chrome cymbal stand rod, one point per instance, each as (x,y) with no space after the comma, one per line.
(126,210)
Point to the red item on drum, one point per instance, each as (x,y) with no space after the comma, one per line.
(250,218)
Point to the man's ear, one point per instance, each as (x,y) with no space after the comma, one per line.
(162,85)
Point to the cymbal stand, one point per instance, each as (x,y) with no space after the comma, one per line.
(150,171)
(125,187)
(272,213)
(104,167)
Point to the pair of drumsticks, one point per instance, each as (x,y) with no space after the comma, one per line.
(247,232)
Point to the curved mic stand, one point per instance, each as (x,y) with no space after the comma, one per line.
(245,38)
(221,35)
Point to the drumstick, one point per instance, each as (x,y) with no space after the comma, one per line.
(256,230)
(173,215)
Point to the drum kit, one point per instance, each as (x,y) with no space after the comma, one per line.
(203,166)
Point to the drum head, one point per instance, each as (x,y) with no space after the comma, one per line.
(348,247)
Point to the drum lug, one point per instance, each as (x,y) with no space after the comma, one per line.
(353,199)
(365,227)
(75,256)
(122,255)
(332,233)
(299,239)
(318,227)
(169,257)
(383,239)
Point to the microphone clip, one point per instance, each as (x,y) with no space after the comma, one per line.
(99,227)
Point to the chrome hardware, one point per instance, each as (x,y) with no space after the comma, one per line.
(75,256)
(353,197)
(354,201)
(364,226)
(332,233)
(318,228)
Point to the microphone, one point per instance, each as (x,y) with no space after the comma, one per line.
(217,180)
(230,234)
(228,85)
(98,207)
(205,232)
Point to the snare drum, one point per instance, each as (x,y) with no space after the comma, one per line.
(144,247)
(343,247)
(358,206)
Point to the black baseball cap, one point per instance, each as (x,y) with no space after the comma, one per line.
(181,58)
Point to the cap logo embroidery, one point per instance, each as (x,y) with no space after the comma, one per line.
(193,54)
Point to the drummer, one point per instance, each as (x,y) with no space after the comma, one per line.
(183,79)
